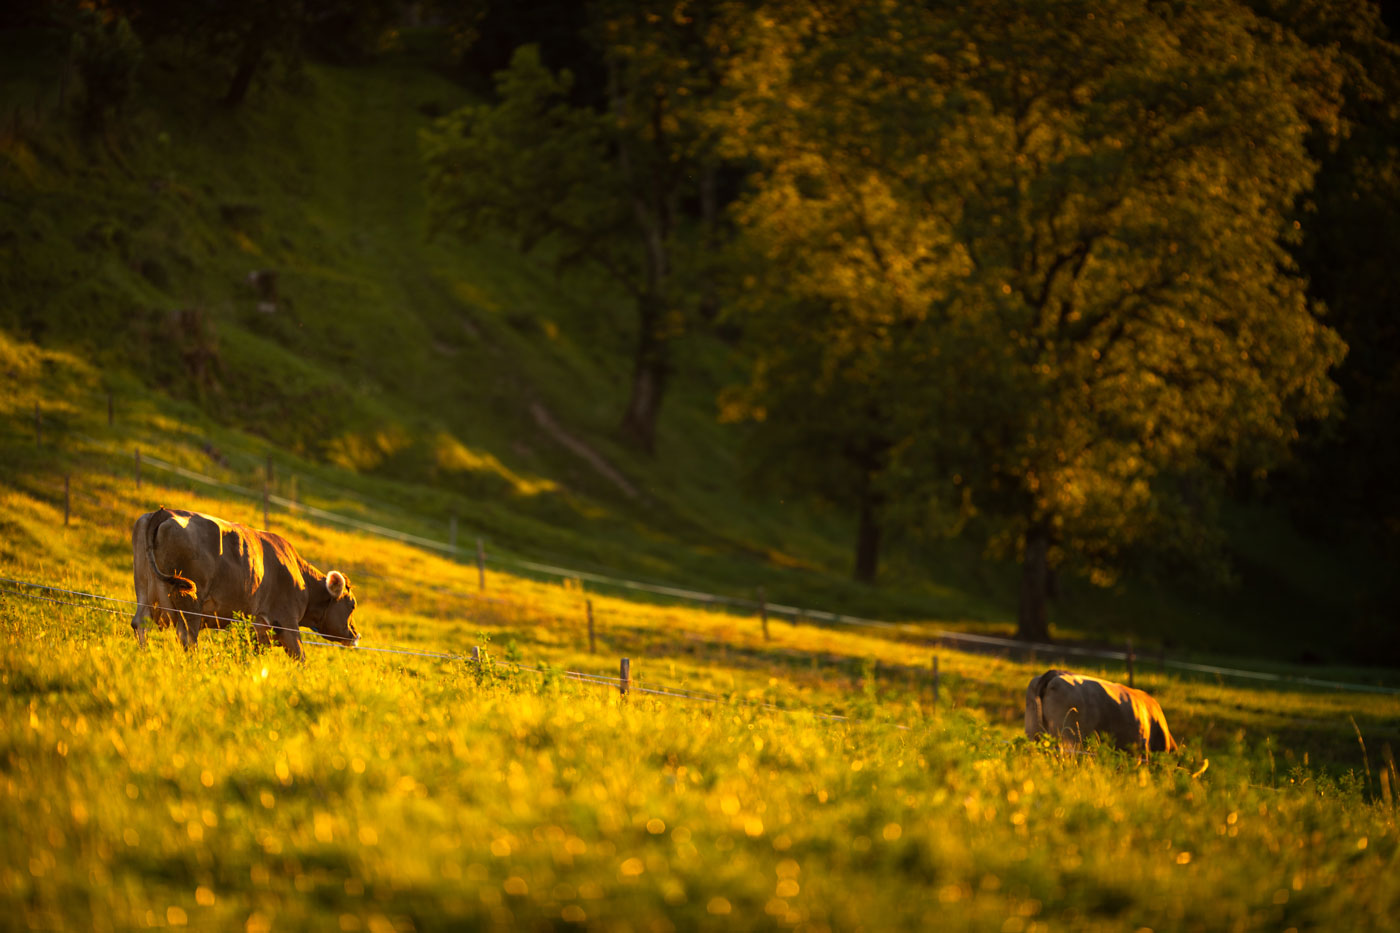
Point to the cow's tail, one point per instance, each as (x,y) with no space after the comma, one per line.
(1042,682)
(178,583)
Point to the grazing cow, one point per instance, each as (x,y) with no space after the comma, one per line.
(187,562)
(1070,706)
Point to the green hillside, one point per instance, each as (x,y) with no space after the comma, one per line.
(439,380)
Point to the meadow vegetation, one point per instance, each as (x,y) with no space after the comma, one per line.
(818,784)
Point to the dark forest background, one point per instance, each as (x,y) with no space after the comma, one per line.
(1063,299)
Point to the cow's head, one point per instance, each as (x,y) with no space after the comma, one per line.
(334,622)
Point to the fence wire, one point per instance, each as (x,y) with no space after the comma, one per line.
(17,589)
(714,599)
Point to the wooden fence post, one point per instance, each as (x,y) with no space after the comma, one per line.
(1130,662)
(626,677)
(480,564)
(67,502)
(763,612)
(138,468)
(589,604)
(935,680)
(476,655)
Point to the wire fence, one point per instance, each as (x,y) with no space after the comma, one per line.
(11,587)
(795,614)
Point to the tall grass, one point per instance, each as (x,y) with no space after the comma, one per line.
(229,787)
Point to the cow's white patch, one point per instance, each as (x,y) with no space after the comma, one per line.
(335,583)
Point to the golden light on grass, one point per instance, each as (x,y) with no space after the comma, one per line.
(506,791)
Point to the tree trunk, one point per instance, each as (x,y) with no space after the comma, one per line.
(709,227)
(868,536)
(651,371)
(249,58)
(653,206)
(1033,623)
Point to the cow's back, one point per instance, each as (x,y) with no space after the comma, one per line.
(1132,717)
(232,566)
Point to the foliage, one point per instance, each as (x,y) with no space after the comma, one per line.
(606,188)
(107,55)
(484,160)
(1342,487)
(423,364)
(1044,250)
(249,37)
(355,32)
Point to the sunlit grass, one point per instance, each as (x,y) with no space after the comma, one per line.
(235,788)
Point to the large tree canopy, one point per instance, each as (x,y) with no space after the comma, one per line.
(1039,251)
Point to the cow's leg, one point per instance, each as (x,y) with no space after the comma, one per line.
(186,612)
(1068,725)
(138,623)
(141,574)
(262,631)
(148,614)
(155,608)
(291,640)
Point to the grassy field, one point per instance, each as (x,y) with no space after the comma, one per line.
(359,790)
(812,780)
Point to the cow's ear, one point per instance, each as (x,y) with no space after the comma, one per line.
(336,583)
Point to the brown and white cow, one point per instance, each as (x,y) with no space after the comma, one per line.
(1070,706)
(188,562)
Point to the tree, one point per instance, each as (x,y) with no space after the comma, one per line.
(107,56)
(605,187)
(1353,216)
(247,36)
(1343,486)
(821,400)
(1047,241)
